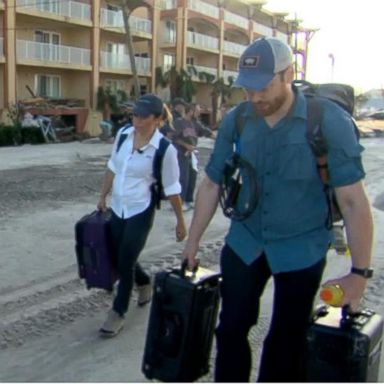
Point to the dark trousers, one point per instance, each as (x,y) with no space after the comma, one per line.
(187,177)
(129,237)
(283,352)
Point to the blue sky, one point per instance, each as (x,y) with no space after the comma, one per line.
(352,30)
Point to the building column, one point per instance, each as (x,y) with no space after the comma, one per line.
(155,27)
(221,43)
(181,35)
(10,96)
(95,52)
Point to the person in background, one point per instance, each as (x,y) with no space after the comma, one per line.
(129,177)
(285,237)
(178,108)
(166,123)
(187,131)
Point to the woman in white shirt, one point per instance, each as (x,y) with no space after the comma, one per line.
(129,176)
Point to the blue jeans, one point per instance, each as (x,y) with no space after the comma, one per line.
(129,237)
(284,347)
(188,177)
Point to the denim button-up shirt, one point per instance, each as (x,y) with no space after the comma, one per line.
(288,224)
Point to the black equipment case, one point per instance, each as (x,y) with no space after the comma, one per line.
(344,347)
(181,325)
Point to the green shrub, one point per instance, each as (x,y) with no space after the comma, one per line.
(31,135)
(9,135)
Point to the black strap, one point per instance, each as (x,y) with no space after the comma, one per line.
(157,186)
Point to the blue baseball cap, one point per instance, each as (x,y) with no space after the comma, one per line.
(260,62)
(147,105)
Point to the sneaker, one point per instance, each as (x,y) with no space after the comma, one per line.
(144,294)
(113,324)
(186,207)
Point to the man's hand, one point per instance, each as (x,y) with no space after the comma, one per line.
(189,254)
(353,287)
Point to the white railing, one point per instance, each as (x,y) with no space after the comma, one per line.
(201,68)
(60,54)
(114,19)
(72,9)
(238,20)
(202,41)
(262,30)
(114,61)
(227,74)
(168,4)
(234,48)
(205,8)
(282,36)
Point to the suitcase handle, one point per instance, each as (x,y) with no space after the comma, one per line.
(184,266)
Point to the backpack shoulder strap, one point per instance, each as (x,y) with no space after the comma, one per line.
(122,137)
(157,165)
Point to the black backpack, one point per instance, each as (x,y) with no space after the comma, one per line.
(157,187)
(341,94)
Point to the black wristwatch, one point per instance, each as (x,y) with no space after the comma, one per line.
(365,272)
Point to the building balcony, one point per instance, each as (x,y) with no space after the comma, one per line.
(121,63)
(200,41)
(52,54)
(237,20)
(192,69)
(114,19)
(204,8)
(168,4)
(262,30)
(282,36)
(69,9)
(227,74)
(233,48)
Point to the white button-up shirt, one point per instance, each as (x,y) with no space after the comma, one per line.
(131,190)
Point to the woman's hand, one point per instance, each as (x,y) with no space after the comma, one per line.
(181,230)
(102,204)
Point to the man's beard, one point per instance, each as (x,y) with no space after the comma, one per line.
(270,107)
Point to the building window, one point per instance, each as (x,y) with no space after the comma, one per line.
(190,61)
(170,31)
(47,85)
(114,85)
(168,61)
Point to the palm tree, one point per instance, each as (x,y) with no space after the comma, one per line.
(179,82)
(128,6)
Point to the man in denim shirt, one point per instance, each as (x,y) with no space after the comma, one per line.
(285,237)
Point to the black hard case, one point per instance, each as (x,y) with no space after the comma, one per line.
(344,348)
(181,325)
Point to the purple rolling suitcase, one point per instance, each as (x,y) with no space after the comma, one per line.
(94,251)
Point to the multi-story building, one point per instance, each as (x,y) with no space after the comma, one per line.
(68,48)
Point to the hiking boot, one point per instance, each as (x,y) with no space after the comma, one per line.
(144,294)
(113,324)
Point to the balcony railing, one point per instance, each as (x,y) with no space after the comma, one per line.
(114,19)
(282,36)
(59,54)
(203,41)
(71,9)
(201,68)
(168,4)
(262,30)
(122,62)
(233,48)
(227,74)
(204,8)
(234,19)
